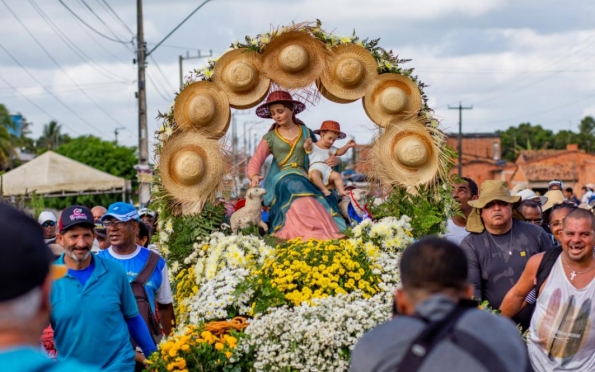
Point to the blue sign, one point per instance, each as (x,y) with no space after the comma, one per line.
(17,121)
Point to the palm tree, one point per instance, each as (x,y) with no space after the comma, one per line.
(51,136)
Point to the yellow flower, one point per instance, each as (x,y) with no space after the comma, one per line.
(228,354)
(219,346)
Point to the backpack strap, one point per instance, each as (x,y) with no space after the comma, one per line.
(425,342)
(545,267)
(143,276)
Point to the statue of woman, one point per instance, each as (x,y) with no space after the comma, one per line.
(297,207)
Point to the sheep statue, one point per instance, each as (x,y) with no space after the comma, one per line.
(251,212)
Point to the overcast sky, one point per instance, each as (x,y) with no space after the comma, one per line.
(514,61)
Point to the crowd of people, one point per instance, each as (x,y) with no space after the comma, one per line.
(109,307)
(102,297)
(527,256)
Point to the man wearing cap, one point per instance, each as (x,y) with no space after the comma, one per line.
(555,185)
(94,312)
(498,246)
(27,273)
(47,220)
(461,193)
(148,217)
(122,225)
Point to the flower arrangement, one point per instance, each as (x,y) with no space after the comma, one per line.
(209,347)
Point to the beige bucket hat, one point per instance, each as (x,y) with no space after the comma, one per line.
(553,197)
(490,190)
(204,107)
(237,72)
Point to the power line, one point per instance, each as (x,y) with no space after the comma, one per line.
(157,88)
(60,67)
(90,27)
(117,16)
(100,19)
(460,107)
(50,116)
(63,90)
(79,52)
(167,82)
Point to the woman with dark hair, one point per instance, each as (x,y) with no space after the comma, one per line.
(297,207)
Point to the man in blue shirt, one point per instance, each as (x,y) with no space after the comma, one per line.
(121,222)
(94,312)
(26,276)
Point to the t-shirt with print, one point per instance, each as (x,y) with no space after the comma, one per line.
(157,287)
(496,262)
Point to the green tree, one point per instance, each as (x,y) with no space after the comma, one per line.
(102,155)
(524,137)
(52,137)
(7,150)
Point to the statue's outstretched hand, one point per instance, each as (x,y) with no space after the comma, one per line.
(255,180)
(308,144)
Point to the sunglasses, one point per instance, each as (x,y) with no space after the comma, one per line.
(48,223)
(496,202)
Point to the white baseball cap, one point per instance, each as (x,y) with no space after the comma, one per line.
(46,216)
(528,194)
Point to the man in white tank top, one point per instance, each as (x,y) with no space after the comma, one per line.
(562,331)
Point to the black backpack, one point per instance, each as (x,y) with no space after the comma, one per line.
(142,300)
(436,331)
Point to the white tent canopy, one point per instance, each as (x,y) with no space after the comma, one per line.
(52,174)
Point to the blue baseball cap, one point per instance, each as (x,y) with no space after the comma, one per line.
(122,212)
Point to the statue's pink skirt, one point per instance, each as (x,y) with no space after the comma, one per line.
(307,219)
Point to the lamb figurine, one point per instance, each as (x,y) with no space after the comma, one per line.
(251,212)
(354,207)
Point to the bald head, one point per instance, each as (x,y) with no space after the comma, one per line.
(98,212)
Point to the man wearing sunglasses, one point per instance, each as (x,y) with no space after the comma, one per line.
(499,246)
(47,220)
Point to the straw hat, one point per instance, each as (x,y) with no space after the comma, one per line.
(405,154)
(332,126)
(191,166)
(350,72)
(295,59)
(276,97)
(528,194)
(390,98)
(553,197)
(490,190)
(203,106)
(237,73)
(328,95)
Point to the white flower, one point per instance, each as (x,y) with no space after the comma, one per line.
(169,226)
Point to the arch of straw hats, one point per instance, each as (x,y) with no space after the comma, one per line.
(303,58)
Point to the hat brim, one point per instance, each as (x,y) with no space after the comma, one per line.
(263,110)
(248,98)
(356,91)
(341,134)
(372,102)
(543,200)
(481,203)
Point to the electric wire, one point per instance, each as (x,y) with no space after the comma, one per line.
(90,27)
(60,66)
(50,116)
(108,27)
(117,16)
(157,88)
(78,51)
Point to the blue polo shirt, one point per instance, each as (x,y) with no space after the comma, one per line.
(28,359)
(89,321)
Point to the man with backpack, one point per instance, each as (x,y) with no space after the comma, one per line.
(437,327)
(562,331)
(147,271)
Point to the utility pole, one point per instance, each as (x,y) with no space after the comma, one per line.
(181,62)
(144,191)
(460,138)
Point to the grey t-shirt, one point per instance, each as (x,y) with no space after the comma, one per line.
(496,262)
(383,348)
